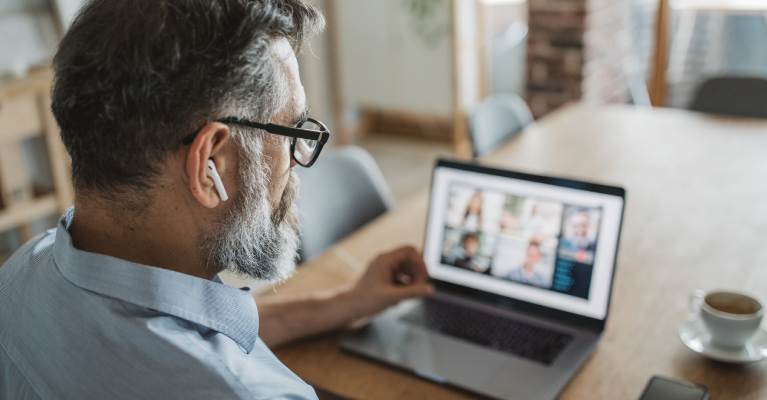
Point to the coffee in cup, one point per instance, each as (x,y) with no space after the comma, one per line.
(731,317)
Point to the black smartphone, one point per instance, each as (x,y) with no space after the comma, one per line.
(661,388)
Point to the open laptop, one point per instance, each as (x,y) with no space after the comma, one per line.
(523,266)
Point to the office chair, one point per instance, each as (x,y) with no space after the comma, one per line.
(340,193)
(496,120)
(733,95)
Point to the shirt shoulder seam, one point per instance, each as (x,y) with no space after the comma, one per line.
(224,365)
(16,365)
(28,248)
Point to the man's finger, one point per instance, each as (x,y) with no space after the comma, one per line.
(418,289)
(403,278)
(415,267)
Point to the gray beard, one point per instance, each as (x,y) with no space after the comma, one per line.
(251,241)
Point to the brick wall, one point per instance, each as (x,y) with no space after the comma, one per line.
(576,50)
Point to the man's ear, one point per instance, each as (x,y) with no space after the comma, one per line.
(208,144)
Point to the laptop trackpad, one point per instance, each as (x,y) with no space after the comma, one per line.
(436,357)
(524,379)
(464,364)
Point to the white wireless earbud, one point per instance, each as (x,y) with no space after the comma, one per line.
(213,174)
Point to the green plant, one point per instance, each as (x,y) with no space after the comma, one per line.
(428,19)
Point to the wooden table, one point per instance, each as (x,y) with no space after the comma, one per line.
(696,217)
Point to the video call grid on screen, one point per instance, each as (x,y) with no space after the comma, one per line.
(540,243)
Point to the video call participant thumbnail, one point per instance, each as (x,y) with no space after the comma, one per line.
(470,244)
(526,273)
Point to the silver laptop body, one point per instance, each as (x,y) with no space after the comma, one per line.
(523,277)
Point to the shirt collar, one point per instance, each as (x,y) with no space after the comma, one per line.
(214,305)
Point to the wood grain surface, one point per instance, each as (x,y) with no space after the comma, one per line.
(696,217)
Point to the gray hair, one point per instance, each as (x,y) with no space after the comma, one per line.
(134,77)
(250,240)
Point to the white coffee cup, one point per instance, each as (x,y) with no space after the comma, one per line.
(731,317)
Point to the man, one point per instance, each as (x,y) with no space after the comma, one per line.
(122,300)
(526,273)
(535,223)
(470,246)
(577,239)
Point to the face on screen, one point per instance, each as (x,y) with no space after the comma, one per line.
(527,240)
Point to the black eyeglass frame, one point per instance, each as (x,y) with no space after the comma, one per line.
(296,133)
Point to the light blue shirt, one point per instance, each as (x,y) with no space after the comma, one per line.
(535,279)
(79,325)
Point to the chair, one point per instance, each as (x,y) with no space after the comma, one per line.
(496,120)
(341,192)
(732,95)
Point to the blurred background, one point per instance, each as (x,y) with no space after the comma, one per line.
(401,78)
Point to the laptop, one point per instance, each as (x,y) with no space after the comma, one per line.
(523,267)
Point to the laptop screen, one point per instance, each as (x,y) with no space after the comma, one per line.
(546,241)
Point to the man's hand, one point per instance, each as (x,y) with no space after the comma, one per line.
(390,278)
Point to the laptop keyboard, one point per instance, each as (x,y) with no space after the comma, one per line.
(500,333)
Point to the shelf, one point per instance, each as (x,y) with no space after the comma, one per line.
(24,213)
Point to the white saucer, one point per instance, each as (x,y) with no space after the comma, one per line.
(695,336)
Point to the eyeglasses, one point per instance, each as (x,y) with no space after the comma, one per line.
(308,137)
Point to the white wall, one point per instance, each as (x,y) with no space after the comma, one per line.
(468,53)
(384,63)
(13,5)
(314,68)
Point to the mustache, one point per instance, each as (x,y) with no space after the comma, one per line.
(287,203)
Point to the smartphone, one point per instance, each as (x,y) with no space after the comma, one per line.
(661,388)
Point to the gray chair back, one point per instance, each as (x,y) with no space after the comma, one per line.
(496,120)
(341,192)
(732,95)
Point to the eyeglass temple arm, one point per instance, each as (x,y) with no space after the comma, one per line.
(309,134)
